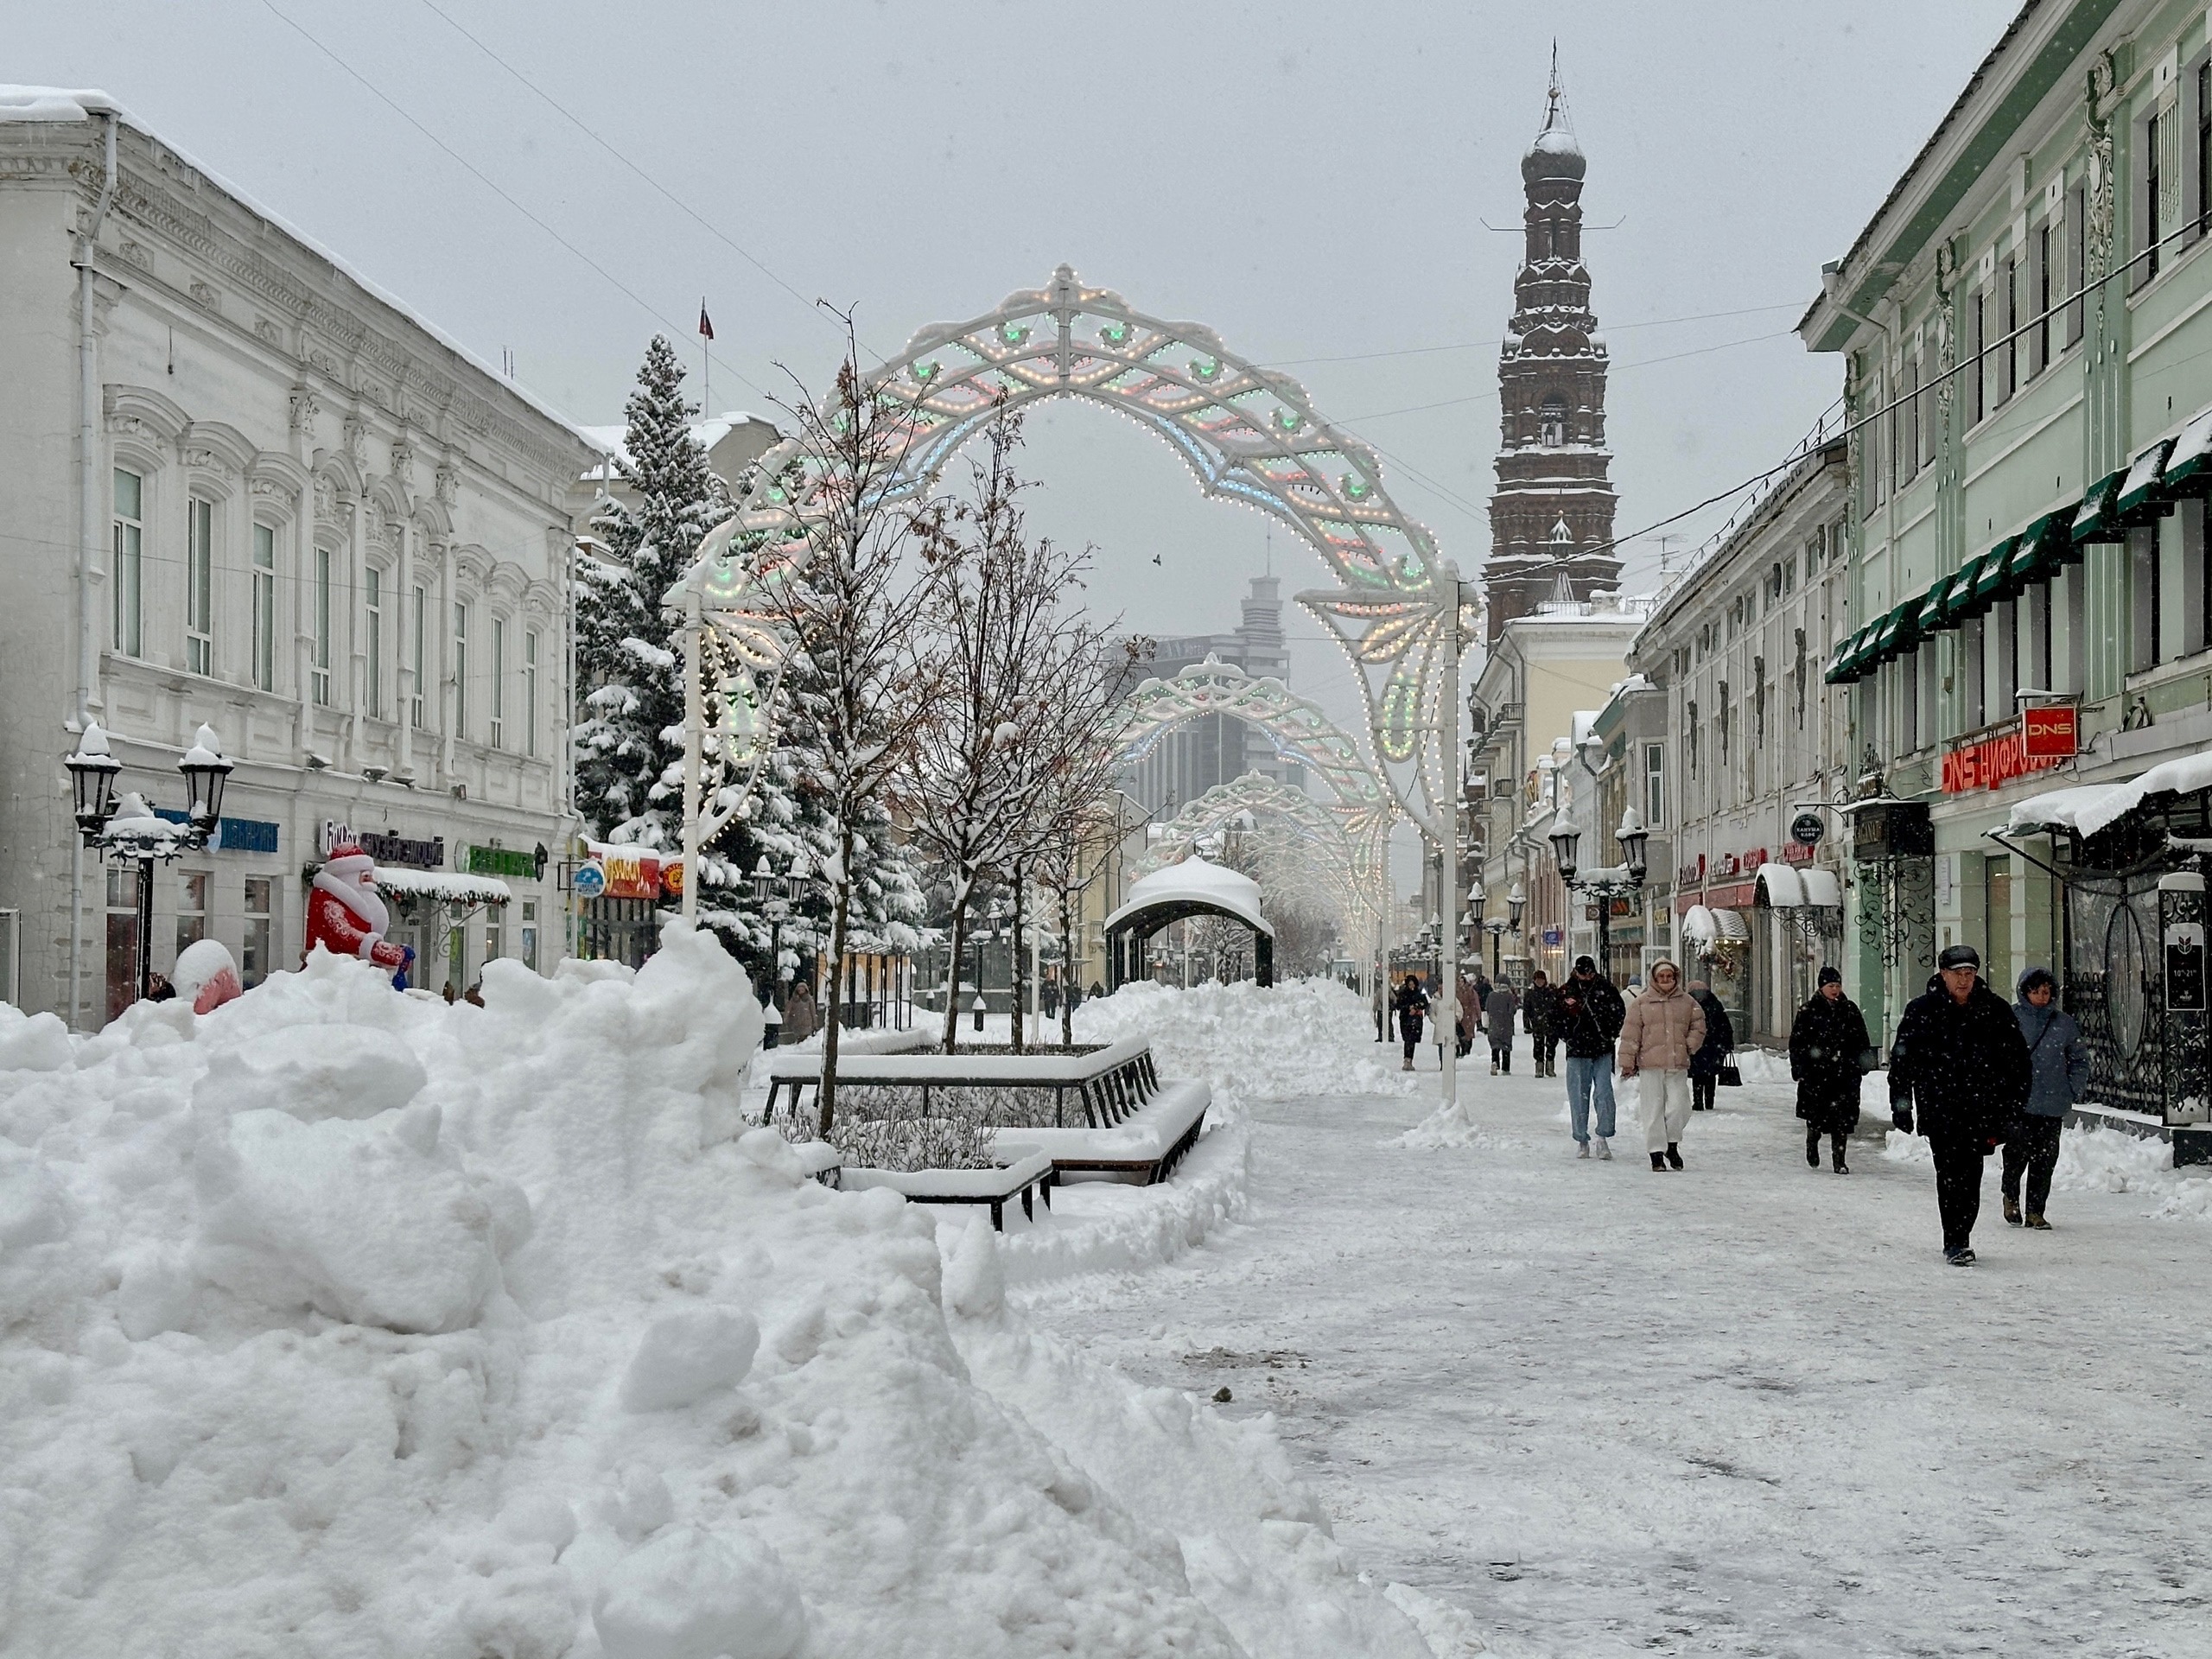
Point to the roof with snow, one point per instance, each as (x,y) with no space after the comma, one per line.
(710,431)
(1195,881)
(2087,808)
(58,104)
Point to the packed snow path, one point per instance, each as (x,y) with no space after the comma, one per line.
(1742,1409)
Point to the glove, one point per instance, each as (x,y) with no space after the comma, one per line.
(1901,1114)
(406,954)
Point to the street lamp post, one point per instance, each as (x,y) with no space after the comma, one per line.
(1606,884)
(128,829)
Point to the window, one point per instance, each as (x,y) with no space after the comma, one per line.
(2040,358)
(322,626)
(495,936)
(2077,259)
(1977,337)
(499,681)
(414,660)
(264,608)
(1906,444)
(529,695)
(199,587)
(1973,693)
(260,920)
(2154,184)
(122,880)
(2008,312)
(2036,666)
(1908,702)
(2074,581)
(2143,597)
(2203,148)
(373,603)
(1655,785)
(530,932)
(1551,426)
(460,671)
(191,907)
(2005,620)
(128,573)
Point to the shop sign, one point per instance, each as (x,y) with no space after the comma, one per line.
(231,835)
(1994,761)
(671,878)
(630,875)
(1692,875)
(501,861)
(1553,937)
(1729,865)
(2051,734)
(589,881)
(1796,852)
(1806,829)
(414,853)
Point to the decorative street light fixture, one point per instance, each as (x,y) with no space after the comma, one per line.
(1603,885)
(128,829)
(1516,902)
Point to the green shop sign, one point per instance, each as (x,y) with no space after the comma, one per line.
(501,861)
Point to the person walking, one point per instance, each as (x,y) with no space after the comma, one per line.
(1826,1041)
(1659,1033)
(1411,1005)
(798,1014)
(1712,1053)
(1497,1016)
(1959,1063)
(2058,1066)
(1539,1019)
(1590,1016)
(1472,997)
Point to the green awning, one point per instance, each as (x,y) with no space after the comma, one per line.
(1989,575)
(2139,499)
(2037,552)
(1862,649)
(1844,668)
(1952,595)
(2097,519)
(2189,469)
(1886,640)
(1929,621)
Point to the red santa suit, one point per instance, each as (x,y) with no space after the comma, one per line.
(346,916)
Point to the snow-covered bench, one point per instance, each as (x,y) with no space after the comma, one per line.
(1147,1139)
(1028,1170)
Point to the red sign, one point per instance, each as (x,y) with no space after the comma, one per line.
(1729,865)
(2051,734)
(1692,873)
(1796,852)
(1753,859)
(1995,761)
(632,876)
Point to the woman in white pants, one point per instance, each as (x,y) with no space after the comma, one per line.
(1664,1028)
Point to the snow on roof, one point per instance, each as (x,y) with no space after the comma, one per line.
(445,886)
(60,104)
(710,431)
(1823,890)
(1785,889)
(2087,808)
(1196,880)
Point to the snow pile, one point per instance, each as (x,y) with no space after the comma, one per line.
(338,1322)
(2094,1160)
(1448,1126)
(1110,1227)
(1303,1037)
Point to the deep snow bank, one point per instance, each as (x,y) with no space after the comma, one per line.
(1303,1037)
(341,1323)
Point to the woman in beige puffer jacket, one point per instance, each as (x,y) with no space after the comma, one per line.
(1664,1028)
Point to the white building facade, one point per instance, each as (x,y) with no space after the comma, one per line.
(257,494)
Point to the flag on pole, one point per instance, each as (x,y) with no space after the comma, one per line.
(706,327)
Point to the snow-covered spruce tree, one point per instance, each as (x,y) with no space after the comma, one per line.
(629,733)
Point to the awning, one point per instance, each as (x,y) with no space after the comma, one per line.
(1949,597)
(2087,808)
(1732,925)
(2037,551)
(2096,520)
(1698,925)
(2139,495)
(1988,584)
(1823,890)
(2189,469)
(1782,886)
(1846,667)
(445,887)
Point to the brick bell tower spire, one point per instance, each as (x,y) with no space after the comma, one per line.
(1553,493)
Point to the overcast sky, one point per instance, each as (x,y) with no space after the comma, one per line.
(1309,180)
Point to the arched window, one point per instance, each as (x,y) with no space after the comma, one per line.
(1551,423)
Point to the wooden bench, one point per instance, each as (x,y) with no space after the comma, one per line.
(1030,1172)
(1147,1140)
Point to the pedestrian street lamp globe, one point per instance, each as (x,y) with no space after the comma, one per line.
(1632,835)
(1477,898)
(205,771)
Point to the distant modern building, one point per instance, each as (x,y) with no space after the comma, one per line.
(246,488)
(1552,517)
(1192,757)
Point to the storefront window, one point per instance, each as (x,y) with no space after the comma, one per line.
(191,907)
(259,929)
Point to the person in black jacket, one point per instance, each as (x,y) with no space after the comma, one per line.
(1540,1017)
(1719,1043)
(1825,1040)
(1959,1060)
(1591,1013)
(1410,1004)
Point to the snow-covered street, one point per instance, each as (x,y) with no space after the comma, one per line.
(1741,1409)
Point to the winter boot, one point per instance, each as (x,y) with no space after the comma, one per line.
(1408,1065)
(1604,1149)
(1582,1149)
(1813,1148)
(1659,1163)
(1962,1257)
(2036,1223)
(1493,1068)
(2011,1209)
(1835,1149)
(1673,1155)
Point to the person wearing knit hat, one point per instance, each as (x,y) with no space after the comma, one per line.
(1829,1050)
(347,915)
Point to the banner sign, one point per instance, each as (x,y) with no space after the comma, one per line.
(2051,734)
(501,861)
(1995,761)
(632,876)
(414,853)
(231,835)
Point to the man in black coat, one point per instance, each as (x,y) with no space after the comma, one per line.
(1712,1054)
(1959,1060)
(1540,1016)
(1590,1016)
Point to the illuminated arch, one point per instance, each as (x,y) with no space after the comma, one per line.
(1247,433)
(1296,726)
(1347,848)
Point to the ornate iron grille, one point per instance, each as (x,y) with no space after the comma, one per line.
(2113,987)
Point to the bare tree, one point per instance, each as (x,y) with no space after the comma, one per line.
(852,599)
(1022,704)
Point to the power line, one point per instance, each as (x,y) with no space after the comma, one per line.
(1618,368)
(676,329)
(1485,344)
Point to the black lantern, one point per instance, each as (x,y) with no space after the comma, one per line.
(1477,898)
(1516,901)
(762,881)
(204,771)
(1566,836)
(1632,835)
(91,775)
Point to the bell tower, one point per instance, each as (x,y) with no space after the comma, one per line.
(1554,497)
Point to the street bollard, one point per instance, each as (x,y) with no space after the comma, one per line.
(979,1010)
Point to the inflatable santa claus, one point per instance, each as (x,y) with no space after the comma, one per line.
(346,917)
